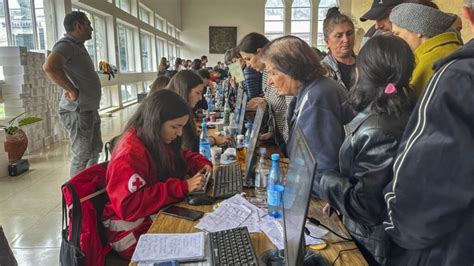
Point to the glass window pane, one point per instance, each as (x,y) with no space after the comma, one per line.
(274,14)
(106,100)
(144,14)
(3,27)
(300,26)
(145,43)
(301,3)
(40,24)
(21,23)
(160,49)
(322,11)
(100,35)
(273,27)
(126,48)
(274,3)
(158,23)
(124,5)
(301,13)
(328,3)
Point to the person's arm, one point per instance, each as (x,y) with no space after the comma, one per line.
(433,174)
(54,68)
(362,199)
(131,192)
(195,162)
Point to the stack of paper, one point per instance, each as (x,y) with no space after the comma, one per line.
(168,247)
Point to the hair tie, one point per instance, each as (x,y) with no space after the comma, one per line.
(390,89)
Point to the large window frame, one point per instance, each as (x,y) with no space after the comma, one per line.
(145,14)
(127,53)
(274,23)
(301,16)
(146,44)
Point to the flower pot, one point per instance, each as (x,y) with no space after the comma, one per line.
(15,145)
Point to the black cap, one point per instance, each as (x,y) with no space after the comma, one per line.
(379,8)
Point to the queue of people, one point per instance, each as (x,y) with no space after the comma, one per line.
(392,129)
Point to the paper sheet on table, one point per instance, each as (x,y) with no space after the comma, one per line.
(274,230)
(254,218)
(166,247)
(227,216)
(236,71)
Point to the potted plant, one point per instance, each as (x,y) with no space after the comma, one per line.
(16,140)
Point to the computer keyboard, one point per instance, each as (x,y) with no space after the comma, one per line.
(232,247)
(228,181)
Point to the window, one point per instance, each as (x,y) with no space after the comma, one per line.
(171,52)
(2,110)
(21,23)
(301,19)
(97,46)
(159,22)
(178,51)
(144,14)
(160,49)
(147,85)
(128,92)
(178,34)
(106,100)
(170,29)
(145,44)
(274,19)
(125,5)
(40,25)
(324,5)
(126,48)
(3,23)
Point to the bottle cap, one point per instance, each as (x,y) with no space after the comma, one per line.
(240,137)
(263,150)
(275,157)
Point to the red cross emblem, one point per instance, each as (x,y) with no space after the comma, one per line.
(135,183)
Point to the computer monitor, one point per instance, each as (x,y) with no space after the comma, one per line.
(250,157)
(238,98)
(241,117)
(296,197)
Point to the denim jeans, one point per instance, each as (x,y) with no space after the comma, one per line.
(85,138)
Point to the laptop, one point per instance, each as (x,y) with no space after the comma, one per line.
(228,179)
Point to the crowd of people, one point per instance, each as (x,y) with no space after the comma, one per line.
(391,127)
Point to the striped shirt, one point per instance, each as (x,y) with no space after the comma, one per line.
(277,108)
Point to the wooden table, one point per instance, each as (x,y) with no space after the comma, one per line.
(169,224)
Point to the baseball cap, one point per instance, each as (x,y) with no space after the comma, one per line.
(379,8)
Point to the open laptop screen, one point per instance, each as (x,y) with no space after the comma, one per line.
(250,157)
(296,197)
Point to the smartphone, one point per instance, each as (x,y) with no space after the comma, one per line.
(204,188)
(184,213)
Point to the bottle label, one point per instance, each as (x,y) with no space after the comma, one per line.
(274,195)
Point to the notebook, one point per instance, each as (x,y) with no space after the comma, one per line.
(166,247)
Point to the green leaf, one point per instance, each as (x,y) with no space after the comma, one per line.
(29,120)
(14,118)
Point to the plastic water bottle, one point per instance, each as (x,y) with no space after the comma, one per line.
(261,175)
(204,144)
(275,188)
(209,100)
(248,133)
(226,113)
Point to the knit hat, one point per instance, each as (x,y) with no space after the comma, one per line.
(421,19)
(379,8)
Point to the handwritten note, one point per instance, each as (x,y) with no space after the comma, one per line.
(235,70)
(227,216)
(166,247)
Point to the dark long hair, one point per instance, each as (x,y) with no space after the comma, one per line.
(156,109)
(293,57)
(182,83)
(384,60)
(251,42)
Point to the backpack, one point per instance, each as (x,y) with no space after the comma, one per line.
(84,199)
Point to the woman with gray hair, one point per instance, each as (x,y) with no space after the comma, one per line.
(295,70)
(339,35)
(427,32)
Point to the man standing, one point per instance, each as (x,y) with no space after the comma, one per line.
(430,200)
(70,67)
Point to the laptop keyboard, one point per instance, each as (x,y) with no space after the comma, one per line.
(232,247)
(228,181)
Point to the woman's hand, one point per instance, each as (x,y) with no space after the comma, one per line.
(254,102)
(206,169)
(196,182)
(265,136)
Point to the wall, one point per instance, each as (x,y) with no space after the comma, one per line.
(198,15)
(359,7)
(170,10)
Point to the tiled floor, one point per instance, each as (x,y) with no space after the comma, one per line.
(30,204)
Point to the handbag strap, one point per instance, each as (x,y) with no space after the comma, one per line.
(76,215)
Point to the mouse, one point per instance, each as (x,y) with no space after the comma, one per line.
(200,200)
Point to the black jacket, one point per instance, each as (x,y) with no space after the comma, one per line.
(431,199)
(356,190)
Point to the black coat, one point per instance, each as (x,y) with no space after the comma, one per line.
(431,199)
(365,160)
